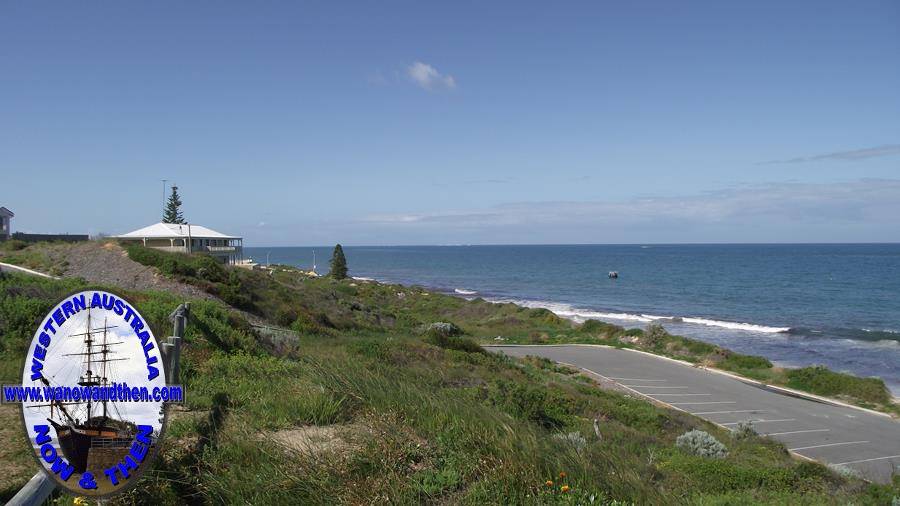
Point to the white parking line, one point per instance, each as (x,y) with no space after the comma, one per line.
(796,432)
(646,386)
(867,460)
(634,379)
(710,402)
(736,411)
(761,421)
(675,395)
(830,444)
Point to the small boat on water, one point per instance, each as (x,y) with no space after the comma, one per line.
(613,274)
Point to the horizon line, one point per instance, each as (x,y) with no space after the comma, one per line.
(590,244)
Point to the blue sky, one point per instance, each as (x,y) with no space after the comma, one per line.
(467,122)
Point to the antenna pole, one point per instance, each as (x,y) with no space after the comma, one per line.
(164,181)
(88,340)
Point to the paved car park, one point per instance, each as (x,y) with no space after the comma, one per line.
(832,434)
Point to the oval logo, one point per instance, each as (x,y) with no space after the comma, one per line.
(93,394)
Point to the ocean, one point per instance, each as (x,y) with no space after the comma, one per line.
(797,304)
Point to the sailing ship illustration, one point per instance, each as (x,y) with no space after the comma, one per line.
(83,428)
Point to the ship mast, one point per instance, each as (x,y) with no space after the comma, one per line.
(86,381)
(103,380)
(89,378)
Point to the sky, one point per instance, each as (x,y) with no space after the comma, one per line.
(380,123)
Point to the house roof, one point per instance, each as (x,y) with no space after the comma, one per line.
(6,211)
(174,230)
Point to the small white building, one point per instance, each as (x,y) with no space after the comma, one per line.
(5,227)
(188,238)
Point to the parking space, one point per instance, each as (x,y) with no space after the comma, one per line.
(833,434)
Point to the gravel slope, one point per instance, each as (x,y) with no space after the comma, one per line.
(108,264)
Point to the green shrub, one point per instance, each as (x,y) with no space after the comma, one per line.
(196,265)
(812,471)
(655,334)
(371,348)
(454,343)
(697,347)
(234,295)
(432,483)
(443,329)
(718,476)
(208,268)
(822,381)
(572,439)
(23,301)
(544,315)
(546,407)
(548,365)
(702,444)
(308,324)
(598,327)
(285,315)
(845,471)
(744,430)
(222,328)
(13,245)
(738,361)
(166,263)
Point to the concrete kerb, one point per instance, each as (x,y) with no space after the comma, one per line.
(23,270)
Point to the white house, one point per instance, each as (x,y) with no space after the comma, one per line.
(188,239)
(5,228)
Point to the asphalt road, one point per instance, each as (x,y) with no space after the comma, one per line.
(866,442)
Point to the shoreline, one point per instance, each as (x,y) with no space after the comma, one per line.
(895,393)
(579,314)
(639,321)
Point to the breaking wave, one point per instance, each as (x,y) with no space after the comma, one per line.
(579,315)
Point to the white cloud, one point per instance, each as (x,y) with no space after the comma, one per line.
(860,210)
(852,155)
(428,77)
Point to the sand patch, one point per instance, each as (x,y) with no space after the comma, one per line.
(312,439)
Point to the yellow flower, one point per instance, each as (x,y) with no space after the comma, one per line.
(564,489)
(80,501)
(549,483)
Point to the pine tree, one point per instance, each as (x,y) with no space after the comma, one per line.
(338,263)
(172,212)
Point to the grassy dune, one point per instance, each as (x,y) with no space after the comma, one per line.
(362,403)
(290,298)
